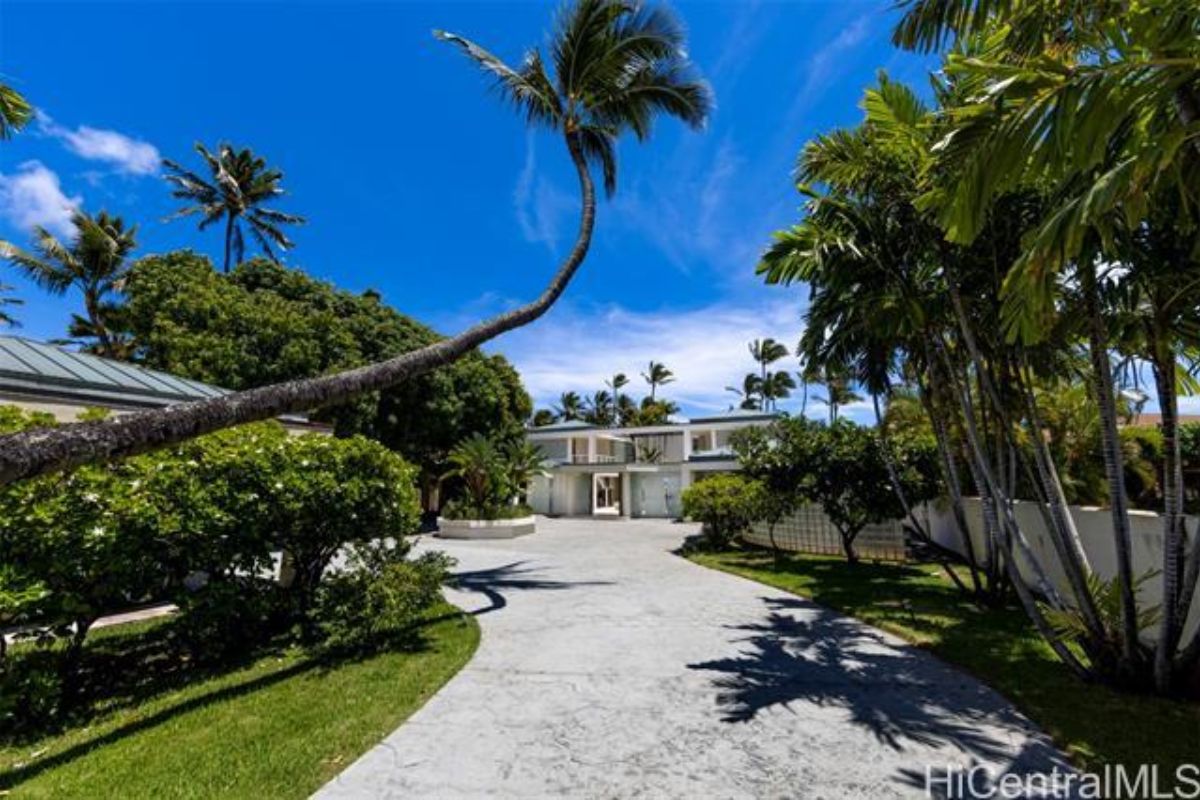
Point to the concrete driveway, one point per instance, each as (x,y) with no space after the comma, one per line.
(611,668)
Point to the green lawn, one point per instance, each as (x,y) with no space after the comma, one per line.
(1096,726)
(279,726)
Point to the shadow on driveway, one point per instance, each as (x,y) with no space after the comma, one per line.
(514,576)
(897,693)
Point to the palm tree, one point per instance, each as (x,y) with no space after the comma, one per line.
(543,417)
(5,317)
(523,461)
(239,190)
(1077,99)
(839,393)
(15,111)
(766,352)
(750,392)
(94,262)
(656,375)
(478,463)
(776,386)
(617,68)
(570,407)
(601,408)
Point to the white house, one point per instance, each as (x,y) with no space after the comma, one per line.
(631,472)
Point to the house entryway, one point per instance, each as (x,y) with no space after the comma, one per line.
(606,494)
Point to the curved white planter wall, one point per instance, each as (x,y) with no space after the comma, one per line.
(485,528)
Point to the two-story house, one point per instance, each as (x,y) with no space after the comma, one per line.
(631,472)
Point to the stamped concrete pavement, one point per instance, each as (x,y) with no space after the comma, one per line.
(610,667)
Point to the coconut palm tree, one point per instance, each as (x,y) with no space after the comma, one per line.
(750,392)
(766,352)
(656,375)
(15,111)
(601,408)
(239,190)
(94,262)
(776,386)
(570,407)
(5,317)
(616,68)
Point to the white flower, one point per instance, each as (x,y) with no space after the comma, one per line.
(278,484)
(91,497)
(97,531)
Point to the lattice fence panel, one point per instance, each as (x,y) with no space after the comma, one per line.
(810,531)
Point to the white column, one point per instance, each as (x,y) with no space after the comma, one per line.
(626,495)
(591,449)
(687,444)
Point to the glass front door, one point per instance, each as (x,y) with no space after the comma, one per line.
(607,493)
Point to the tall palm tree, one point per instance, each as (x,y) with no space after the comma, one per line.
(239,190)
(1077,98)
(766,352)
(94,262)
(656,375)
(5,317)
(750,392)
(776,386)
(601,408)
(15,111)
(617,68)
(570,407)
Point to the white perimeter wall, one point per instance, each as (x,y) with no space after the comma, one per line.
(1095,533)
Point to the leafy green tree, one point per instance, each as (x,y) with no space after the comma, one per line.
(240,187)
(523,461)
(776,386)
(617,68)
(263,324)
(93,262)
(542,417)
(570,407)
(15,111)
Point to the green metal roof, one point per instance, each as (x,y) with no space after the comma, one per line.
(39,370)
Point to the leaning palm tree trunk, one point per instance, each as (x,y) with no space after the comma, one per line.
(38,451)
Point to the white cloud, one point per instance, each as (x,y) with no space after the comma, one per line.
(128,155)
(33,196)
(821,65)
(539,205)
(574,349)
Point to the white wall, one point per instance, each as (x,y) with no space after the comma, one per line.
(1096,536)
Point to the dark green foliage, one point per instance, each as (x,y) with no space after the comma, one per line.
(263,323)
(1189,445)
(198,525)
(726,504)
(380,594)
(840,467)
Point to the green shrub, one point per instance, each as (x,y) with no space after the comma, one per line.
(725,504)
(456,509)
(379,595)
(198,524)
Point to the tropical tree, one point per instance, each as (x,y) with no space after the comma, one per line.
(601,408)
(776,386)
(542,417)
(1097,104)
(479,464)
(94,262)
(766,352)
(523,461)
(5,317)
(239,190)
(15,111)
(656,375)
(838,393)
(570,407)
(750,392)
(617,67)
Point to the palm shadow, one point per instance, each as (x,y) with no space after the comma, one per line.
(899,694)
(514,576)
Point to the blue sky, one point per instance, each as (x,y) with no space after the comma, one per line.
(418,182)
